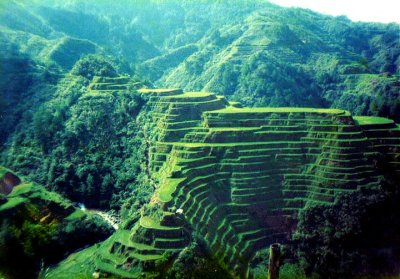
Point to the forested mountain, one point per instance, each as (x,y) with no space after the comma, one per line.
(280,57)
(250,51)
(75,118)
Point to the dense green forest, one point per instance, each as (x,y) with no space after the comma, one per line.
(73,121)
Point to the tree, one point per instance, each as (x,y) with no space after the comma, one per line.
(94,65)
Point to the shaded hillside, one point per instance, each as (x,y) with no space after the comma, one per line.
(84,140)
(40,227)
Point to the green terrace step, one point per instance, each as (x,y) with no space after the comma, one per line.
(170,243)
(188,163)
(101,92)
(160,92)
(249,180)
(191,208)
(167,189)
(114,80)
(386,141)
(317,196)
(266,171)
(107,86)
(235,130)
(261,242)
(145,258)
(186,195)
(343,182)
(239,145)
(276,175)
(360,166)
(184,130)
(245,136)
(150,223)
(267,122)
(266,128)
(144,249)
(195,181)
(210,222)
(114,259)
(346,175)
(203,105)
(244,224)
(182,124)
(178,134)
(338,135)
(200,216)
(210,219)
(333,128)
(351,153)
(257,182)
(162,157)
(136,249)
(190,97)
(252,119)
(277,150)
(389,147)
(111,268)
(257,186)
(194,137)
(202,170)
(345,142)
(257,199)
(188,154)
(204,204)
(189,195)
(377,133)
(345,163)
(223,236)
(287,111)
(266,190)
(251,206)
(253,234)
(373,122)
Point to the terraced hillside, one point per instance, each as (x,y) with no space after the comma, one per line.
(238,177)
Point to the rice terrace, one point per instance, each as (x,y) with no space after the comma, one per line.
(199,139)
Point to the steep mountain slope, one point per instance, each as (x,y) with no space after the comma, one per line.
(281,57)
(84,141)
(238,178)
